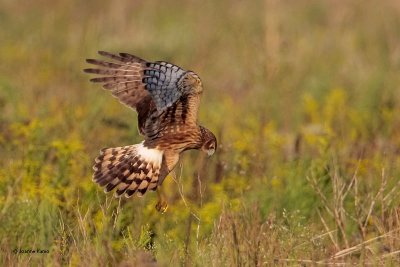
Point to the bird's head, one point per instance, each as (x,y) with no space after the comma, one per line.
(209,141)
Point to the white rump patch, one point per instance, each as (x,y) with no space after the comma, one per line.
(150,154)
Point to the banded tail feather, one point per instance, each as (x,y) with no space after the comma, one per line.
(129,169)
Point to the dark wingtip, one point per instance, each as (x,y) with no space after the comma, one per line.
(132,57)
(103,53)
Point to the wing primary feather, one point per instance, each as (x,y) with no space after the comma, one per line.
(110,72)
(132,58)
(121,85)
(112,79)
(106,64)
(113,56)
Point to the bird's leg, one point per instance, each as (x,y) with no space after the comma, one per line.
(162,204)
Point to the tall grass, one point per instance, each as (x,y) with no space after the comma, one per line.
(302,96)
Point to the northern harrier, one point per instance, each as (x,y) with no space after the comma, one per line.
(167,100)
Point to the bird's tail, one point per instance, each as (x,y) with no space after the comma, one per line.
(130,169)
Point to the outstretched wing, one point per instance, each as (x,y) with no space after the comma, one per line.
(123,77)
(162,93)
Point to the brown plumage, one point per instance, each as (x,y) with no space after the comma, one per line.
(167,100)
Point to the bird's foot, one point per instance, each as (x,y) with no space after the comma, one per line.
(162,206)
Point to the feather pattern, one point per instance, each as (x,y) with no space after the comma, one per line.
(130,169)
(174,93)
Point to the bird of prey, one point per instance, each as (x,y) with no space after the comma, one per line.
(166,98)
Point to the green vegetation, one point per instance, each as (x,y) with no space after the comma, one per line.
(302,95)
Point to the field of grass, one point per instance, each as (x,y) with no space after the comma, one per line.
(302,96)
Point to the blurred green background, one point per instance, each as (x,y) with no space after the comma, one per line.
(302,96)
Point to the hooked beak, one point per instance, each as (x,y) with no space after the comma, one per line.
(210,152)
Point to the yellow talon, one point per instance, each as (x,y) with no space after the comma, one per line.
(161,205)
